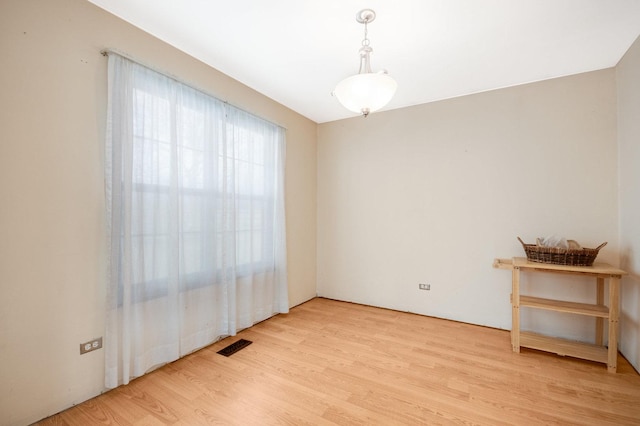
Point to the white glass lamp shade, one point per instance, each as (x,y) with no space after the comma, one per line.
(365,93)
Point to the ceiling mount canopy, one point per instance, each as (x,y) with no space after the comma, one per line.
(366,91)
(366,16)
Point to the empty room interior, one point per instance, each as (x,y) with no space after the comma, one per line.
(190,175)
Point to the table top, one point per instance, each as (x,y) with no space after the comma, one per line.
(598,268)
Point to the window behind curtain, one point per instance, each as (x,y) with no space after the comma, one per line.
(239,170)
(196,219)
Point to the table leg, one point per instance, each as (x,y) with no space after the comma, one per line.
(515,309)
(614,301)
(600,321)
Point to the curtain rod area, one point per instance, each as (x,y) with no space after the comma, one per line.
(106,52)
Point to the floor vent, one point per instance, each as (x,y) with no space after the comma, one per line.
(234,347)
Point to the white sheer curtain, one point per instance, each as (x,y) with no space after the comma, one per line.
(195,215)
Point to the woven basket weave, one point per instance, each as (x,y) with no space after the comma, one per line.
(560,256)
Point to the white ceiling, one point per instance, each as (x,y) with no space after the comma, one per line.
(296,51)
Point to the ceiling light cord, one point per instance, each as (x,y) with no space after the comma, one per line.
(365,41)
(365,51)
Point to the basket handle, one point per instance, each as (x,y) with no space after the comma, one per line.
(523,244)
(601,245)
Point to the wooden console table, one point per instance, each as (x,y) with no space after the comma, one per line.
(597,352)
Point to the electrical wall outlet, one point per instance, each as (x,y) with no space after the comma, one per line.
(91,345)
(424,286)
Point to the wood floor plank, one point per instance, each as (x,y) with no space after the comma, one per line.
(330,362)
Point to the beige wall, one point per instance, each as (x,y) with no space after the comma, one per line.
(52,254)
(433,193)
(628,79)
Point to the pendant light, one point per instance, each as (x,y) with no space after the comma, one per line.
(366,91)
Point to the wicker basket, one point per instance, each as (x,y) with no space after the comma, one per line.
(560,256)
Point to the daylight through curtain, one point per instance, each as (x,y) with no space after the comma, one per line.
(195,215)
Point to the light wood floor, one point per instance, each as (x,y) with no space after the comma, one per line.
(329,362)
